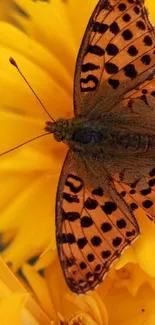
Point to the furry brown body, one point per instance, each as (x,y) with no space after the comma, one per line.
(113,148)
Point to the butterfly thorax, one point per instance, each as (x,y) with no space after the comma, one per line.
(95,136)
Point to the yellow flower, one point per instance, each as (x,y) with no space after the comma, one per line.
(16,305)
(44,38)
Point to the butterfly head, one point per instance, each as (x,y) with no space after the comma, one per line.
(59,129)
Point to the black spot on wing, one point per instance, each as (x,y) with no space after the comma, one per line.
(112,49)
(140,24)
(106,227)
(147,204)
(70,198)
(98,191)
(114,83)
(70,216)
(82,242)
(127,35)
(100,27)
(148,40)
(152,172)
(83,265)
(109,207)
(130,71)
(66,238)
(89,78)
(89,67)
(146,191)
(90,257)
(117,241)
(126,18)
(121,223)
(106,254)
(132,50)
(96,241)
(133,206)
(146,59)
(95,49)
(111,68)
(70,183)
(114,28)
(86,222)
(130,233)
(122,6)
(136,10)
(90,204)
(152,182)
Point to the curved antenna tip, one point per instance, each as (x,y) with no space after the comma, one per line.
(13,62)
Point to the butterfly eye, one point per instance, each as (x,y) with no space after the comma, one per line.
(87,137)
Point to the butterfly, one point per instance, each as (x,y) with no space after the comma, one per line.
(109,170)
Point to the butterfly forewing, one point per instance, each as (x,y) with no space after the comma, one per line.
(92,230)
(117,53)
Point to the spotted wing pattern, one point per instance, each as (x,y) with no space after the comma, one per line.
(116,55)
(138,110)
(114,77)
(140,194)
(92,230)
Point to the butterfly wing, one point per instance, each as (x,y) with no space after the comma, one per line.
(115,75)
(92,228)
(116,55)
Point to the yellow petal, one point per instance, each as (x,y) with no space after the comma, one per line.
(151,8)
(147,317)
(25,47)
(144,246)
(89,304)
(128,256)
(46,258)
(15,299)
(11,309)
(43,26)
(74,11)
(123,308)
(36,222)
(82,319)
(40,289)
(131,277)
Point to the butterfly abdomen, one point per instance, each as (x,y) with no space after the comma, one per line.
(111,139)
(135,142)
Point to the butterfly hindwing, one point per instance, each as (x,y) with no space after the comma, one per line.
(116,55)
(92,230)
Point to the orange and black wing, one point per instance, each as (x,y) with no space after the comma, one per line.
(117,55)
(92,228)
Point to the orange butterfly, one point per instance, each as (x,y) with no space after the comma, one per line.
(110,166)
(109,170)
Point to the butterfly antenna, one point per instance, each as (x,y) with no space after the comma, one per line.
(23,144)
(13,62)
